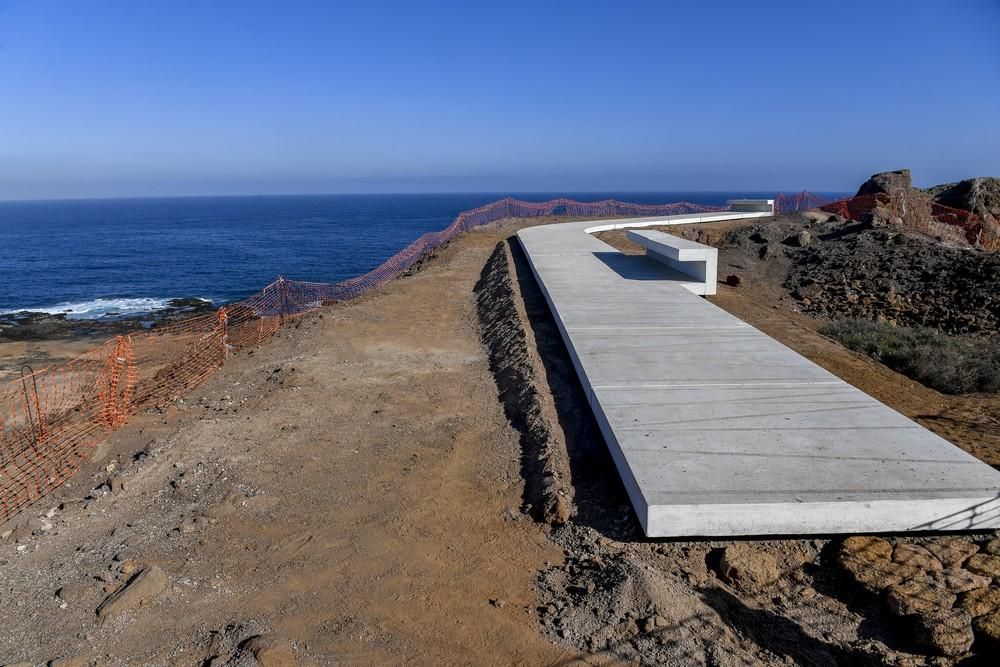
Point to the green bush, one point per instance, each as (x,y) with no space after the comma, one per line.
(949,364)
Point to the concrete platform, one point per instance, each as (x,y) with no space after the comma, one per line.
(718,429)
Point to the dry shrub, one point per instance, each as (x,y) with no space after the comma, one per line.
(949,364)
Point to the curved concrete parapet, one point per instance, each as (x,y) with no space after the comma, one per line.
(717,429)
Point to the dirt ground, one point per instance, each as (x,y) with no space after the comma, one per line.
(36,354)
(352,486)
(390,481)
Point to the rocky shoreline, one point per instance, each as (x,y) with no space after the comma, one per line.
(27,325)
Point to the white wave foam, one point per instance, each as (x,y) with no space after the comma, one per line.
(100,308)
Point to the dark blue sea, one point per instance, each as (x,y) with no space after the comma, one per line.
(121,257)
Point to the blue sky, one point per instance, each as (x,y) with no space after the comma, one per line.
(103,98)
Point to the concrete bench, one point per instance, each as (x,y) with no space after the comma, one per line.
(692,259)
(751,205)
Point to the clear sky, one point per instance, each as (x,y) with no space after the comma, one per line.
(126,98)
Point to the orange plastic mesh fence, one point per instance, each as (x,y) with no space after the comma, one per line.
(52,419)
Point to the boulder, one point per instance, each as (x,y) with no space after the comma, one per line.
(140,589)
(747,566)
(958,580)
(74,592)
(987,565)
(799,240)
(918,596)
(993,546)
(867,547)
(886,182)
(946,631)
(876,575)
(979,195)
(981,601)
(951,551)
(987,629)
(914,554)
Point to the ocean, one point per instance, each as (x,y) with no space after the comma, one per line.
(107,258)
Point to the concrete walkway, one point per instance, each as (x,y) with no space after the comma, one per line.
(718,429)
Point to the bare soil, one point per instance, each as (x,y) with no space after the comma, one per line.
(353,486)
(28,355)
(414,477)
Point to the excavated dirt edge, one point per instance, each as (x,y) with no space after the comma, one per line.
(548,493)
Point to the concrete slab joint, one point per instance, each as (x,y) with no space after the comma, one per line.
(719,430)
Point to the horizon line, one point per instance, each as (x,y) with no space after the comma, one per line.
(500,193)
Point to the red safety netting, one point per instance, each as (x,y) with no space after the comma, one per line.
(784,203)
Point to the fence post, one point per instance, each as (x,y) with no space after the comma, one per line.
(38,416)
(128,355)
(283,288)
(114,411)
(224,325)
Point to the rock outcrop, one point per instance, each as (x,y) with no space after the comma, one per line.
(886,182)
(979,195)
(747,567)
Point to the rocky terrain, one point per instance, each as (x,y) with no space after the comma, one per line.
(39,340)
(945,590)
(34,326)
(978,195)
(962,213)
(840,269)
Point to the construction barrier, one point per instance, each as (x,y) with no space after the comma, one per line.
(784,203)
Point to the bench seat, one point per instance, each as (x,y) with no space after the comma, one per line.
(696,260)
